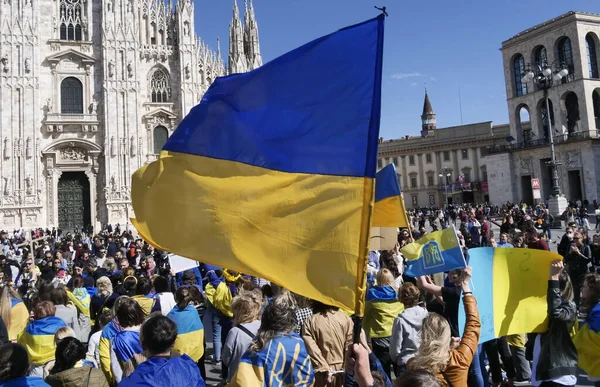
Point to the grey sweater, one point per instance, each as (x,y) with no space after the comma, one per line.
(69,316)
(406,334)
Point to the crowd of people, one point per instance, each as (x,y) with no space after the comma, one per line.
(106,309)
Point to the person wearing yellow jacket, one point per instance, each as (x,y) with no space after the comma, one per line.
(587,339)
(219,293)
(381,308)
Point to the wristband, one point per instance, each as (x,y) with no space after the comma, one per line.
(467,293)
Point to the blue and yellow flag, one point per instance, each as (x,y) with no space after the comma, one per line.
(283,362)
(190,331)
(108,333)
(272,174)
(19,317)
(436,252)
(511,287)
(38,339)
(389,210)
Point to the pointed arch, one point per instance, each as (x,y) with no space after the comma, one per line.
(159,85)
(70,24)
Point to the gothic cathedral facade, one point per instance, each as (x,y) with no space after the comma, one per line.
(90,91)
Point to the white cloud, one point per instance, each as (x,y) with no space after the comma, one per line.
(406,75)
(434,79)
(414,84)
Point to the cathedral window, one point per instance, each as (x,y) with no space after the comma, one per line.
(160,136)
(160,86)
(70,20)
(71,96)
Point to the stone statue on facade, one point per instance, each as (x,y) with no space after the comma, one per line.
(28,150)
(111,68)
(27,65)
(6,149)
(7,185)
(29,185)
(130,69)
(49,104)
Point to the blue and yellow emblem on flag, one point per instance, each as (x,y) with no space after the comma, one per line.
(511,287)
(272,174)
(283,362)
(389,210)
(436,252)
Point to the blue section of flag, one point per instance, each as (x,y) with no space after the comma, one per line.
(386,183)
(296,113)
(481,262)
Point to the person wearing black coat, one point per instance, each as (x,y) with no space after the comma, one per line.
(554,354)
(577,259)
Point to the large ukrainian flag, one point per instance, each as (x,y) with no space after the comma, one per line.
(19,317)
(272,174)
(38,339)
(511,287)
(389,210)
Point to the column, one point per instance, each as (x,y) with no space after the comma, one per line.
(456,170)
(476,154)
(421,173)
(92,178)
(404,173)
(52,184)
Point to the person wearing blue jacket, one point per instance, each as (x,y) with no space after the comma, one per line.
(157,336)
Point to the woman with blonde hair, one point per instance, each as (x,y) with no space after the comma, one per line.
(246,321)
(104,299)
(13,312)
(435,354)
(381,308)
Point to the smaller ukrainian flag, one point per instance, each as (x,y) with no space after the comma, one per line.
(19,317)
(190,331)
(389,210)
(38,339)
(108,333)
(436,252)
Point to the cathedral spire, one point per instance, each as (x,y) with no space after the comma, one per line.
(236,59)
(251,41)
(428,119)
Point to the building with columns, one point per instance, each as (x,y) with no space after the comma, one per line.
(456,153)
(572,40)
(89,92)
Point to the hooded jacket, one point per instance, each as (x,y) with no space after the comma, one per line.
(587,342)
(381,308)
(77,377)
(165,372)
(406,334)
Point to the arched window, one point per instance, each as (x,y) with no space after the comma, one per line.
(540,56)
(596,103)
(572,105)
(160,86)
(71,96)
(591,54)
(565,56)
(519,69)
(160,137)
(543,117)
(70,20)
(523,121)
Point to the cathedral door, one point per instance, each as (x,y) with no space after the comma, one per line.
(73,201)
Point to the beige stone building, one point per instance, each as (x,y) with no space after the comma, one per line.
(90,90)
(572,40)
(455,153)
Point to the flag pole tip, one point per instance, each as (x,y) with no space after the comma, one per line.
(383,10)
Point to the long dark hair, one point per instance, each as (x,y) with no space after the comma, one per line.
(183,297)
(277,321)
(388,262)
(68,352)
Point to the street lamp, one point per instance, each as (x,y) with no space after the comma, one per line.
(445,172)
(545,76)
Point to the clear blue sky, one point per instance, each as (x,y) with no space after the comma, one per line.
(445,44)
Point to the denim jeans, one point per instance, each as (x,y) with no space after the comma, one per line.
(215,319)
(478,376)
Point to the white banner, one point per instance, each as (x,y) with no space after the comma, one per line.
(179,263)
